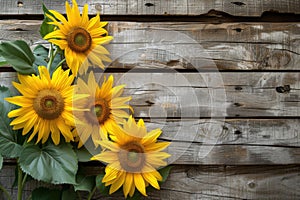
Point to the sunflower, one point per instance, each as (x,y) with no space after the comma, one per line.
(104,106)
(133,155)
(80,38)
(45,105)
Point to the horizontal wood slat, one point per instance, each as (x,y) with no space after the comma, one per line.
(156,7)
(202,95)
(229,46)
(207,182)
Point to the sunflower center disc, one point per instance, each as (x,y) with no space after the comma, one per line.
(79,40)
(132,157)
(48,104)
(100,109)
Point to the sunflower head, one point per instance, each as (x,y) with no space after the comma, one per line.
(132,156)
(81,38)
(105,107)
(46,105)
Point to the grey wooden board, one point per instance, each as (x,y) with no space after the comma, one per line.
(205,182)
(157,7)
(208,182)
(207,94)
(264,132)
(261,46)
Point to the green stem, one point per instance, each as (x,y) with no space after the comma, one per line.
(60,63)
(24,180)
(20,181)
(5,192)
(92,193)
(51,56)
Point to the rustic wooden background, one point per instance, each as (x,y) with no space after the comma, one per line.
(255,45)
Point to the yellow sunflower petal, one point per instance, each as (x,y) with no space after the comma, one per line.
(149,169)
(139,183)
(29,124)
(103,40)
(157,146)
(119,101)
(150,178)
(26,92)
(44,130)
(151,137)
(55,34)
(132,190)
(98,32)
(127,184)
(64,129)
(84,16)
(18,112)
(58,16)
(118,183)
(93,22)
(106,156)
(117,91)
(109,145)
(110,174)
(55,134)
(22,118)
(120,113)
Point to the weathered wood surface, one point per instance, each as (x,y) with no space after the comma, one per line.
(206,95)
(229,46)
(157,7)
(261,107)
(207,182)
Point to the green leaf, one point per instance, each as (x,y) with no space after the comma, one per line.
(46,28)
(164,172)
(45,9)
(50,163)
(84,183)
(41,58)
(19,55)
(83,155)
(1,162)
(69,194)
(9,146)
(101,186)
(42,193)
(3,62)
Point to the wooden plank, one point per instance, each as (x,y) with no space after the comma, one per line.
(197,154)
(264,132)
(212,94)
(207,94)
(205,182)
(156,7)
(261,46)
(230,182)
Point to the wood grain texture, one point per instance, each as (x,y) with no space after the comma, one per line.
(156,7)
(260,46)
(207,94)
(206,182)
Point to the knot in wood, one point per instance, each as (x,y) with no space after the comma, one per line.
(283,89)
